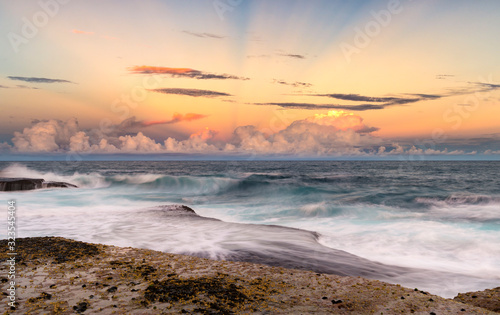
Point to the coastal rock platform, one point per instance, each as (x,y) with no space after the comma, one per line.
(60,276)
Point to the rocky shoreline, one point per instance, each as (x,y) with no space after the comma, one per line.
(61,276)
(15,184)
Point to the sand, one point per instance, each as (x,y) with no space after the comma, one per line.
(61,276)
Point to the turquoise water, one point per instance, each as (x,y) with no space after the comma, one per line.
(440,216)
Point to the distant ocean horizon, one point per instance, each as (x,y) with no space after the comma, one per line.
(439,216)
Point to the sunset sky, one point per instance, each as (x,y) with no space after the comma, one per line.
(239,78)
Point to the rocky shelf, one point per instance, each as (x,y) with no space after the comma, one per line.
(14,184)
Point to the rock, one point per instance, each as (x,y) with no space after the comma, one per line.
(81,307)
(174,210)
(14,184)
(488,299)
(58,185)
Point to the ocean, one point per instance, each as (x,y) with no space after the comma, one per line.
(432,225)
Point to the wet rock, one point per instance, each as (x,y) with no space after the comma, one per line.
(15,184)
(43,296)
(488,299)
(112,289)
(81,307)
(61,250)
(58,185)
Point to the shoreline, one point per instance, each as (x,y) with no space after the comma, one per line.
(62,276)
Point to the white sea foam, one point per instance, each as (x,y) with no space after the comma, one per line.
(451,234)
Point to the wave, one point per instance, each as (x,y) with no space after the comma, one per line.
(460,200)
(149,181)
(179,229)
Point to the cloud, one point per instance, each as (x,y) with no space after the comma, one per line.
(377,103)
(259,56)
(26,87)
(4,87)
(38,80)
(197,143)
(295,56)
(204,35)
(444,76)
(177,118)
(46,136)
(357,97)
(312,106)
(294,84)
(342,121)
(132,122)
(82,32)
(5,147)
(491,152)
(336,133)
(191,92)
(183,72)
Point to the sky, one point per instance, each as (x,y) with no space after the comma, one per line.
(378,79)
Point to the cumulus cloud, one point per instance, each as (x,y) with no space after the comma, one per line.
(191,92)
(342,121)
(336,133)
(38,80)
(197,143)
(183,72)
(46,136)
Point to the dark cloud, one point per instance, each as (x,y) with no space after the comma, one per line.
(38,80)
(296,56)
(381,102)
(204,35)
(486,86)
(183,72)
(191,92)
(133,123)
(357,97)
(294,84)
(375,103)
(312,106)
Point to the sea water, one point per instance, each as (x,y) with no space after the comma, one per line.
(439,217)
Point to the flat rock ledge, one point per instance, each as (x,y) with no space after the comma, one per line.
(14,184)
(61,276)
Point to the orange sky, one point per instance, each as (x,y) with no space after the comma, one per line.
(258,76)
